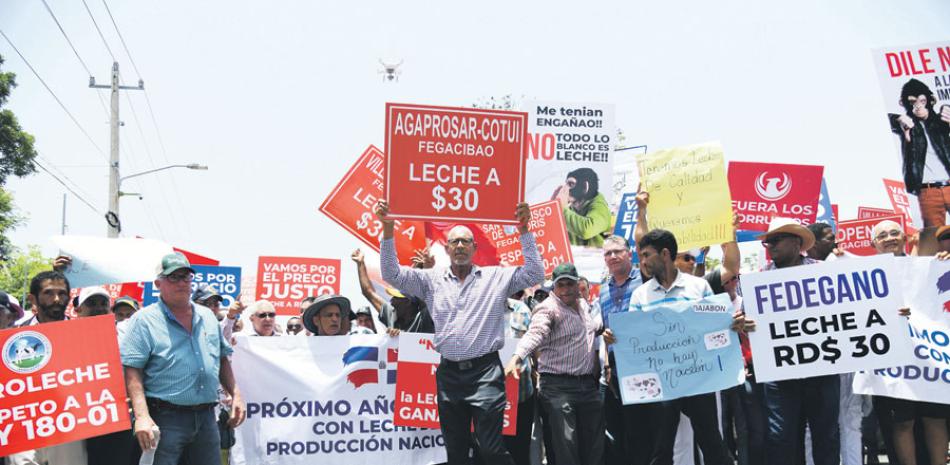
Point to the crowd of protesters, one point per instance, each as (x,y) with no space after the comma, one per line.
(570,409)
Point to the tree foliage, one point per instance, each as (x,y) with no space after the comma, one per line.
(19,268)
(16,145)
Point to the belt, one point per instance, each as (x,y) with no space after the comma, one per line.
(159,404)
(934,185)
(592,376)
(476,362)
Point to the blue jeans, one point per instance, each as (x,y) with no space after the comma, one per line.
(789,405)
(189,437)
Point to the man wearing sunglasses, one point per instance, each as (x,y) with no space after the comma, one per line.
(294,326)
(175,357)
(263,318)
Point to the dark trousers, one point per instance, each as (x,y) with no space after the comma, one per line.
(631,426)
(519,445)
(791,403)
(751,397)
(472,392)
(576,414)
(119,448)
(701,410)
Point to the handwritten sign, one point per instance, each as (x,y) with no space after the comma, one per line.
(678,350)
(689,194)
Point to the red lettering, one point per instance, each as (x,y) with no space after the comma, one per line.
(893,64)
(541,144)
(944,54)
(924,60)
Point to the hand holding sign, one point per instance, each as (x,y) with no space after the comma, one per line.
(523,215)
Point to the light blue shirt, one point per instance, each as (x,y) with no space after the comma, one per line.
(178,367)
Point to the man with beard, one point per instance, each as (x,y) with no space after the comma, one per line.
(586,213)
(924,135)
(49,295)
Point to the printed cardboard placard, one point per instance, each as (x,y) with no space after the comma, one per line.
(285,281)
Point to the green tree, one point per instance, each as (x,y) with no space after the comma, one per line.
(16,158)
(16,271)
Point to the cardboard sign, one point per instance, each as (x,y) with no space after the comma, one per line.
(58,387)
(678,349)
(225,279)
(547,224)
(902,204)
(416,394)
(824,319)
(350,204)
(458,164)
(869,213)
(854,236)
(689,194)
(285,281)
(762,191)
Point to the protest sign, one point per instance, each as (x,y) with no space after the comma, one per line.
(454,163)
(326,400)
(924,372)
(854,236)
(226,280)
(350,204)
(285,281)
(825,212)
(824,319)
(762,191)
(626,223)
(689,194)
(869,213)
(905,73)
(678,349)
(100,260)
(416,394)
(547,224)
(902,204)
(133,290)
(58,387)
(572,140)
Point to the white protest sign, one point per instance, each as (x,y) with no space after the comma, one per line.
(99,260)
(924,371)
(823,319)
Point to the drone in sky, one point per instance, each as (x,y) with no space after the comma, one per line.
(390,72)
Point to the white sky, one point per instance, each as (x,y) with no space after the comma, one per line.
(279,98)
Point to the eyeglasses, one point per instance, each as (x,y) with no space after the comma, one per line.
(177,278)
(885,234)
(612,252)
(293,327)
(770,242)
(460,241)
(265,315)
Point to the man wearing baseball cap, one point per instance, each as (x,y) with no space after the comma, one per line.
(564,335)
(10,311)
(175,357)
(124,307)
(93,301)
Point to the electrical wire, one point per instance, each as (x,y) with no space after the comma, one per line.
(94,23)
(60,26)
(122,40)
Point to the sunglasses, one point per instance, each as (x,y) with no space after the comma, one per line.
(294,327)
(689,258)
(776,239)
(265,315)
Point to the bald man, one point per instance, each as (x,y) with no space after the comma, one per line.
(468,305)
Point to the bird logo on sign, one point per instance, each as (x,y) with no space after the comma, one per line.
(773,188)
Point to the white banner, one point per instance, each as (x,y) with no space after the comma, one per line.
(823,319)
(924,374)
(326,400)
(98,261)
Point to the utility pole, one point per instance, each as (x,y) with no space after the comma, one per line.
(112,217)
(63,227)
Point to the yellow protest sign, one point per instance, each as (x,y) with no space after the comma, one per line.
(689,194)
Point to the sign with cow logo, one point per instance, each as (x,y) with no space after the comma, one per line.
(762,191)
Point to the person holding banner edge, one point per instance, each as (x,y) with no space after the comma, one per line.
(467,305)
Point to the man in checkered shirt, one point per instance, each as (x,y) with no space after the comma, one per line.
(468,305)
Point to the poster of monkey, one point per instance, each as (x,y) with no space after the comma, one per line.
(915,82)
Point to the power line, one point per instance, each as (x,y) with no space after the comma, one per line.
(70,189)
(94,23)
(122,39)
(60,102)
(60,26)
(148,153)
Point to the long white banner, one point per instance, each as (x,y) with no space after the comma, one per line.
(925,373)
(325,400)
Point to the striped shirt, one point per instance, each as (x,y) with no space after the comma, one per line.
(685,287)
(469,315)
(565,338)
(615,298)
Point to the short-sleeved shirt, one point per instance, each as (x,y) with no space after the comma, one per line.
(684,288)
(178,367)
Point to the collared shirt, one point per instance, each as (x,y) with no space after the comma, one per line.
(566,338)
(178,367)
(685,287)
(805,261)
(615,298)
(469,315)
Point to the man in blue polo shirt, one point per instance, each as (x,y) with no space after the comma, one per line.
(174,358)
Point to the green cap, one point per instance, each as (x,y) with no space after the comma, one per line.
(172,263)
(565,271)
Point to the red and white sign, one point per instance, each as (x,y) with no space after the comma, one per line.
(868,213)
(854,236)
(351,204)
(900,200)
(762,191)
(416,394)
(461,164)
(547,224)
(133,290)
(59,388)
(285,281)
